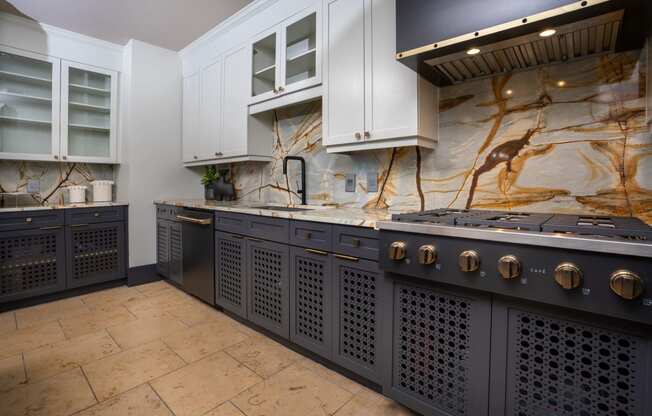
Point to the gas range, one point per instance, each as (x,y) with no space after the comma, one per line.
(541,313)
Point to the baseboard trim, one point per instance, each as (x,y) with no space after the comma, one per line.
(142,274)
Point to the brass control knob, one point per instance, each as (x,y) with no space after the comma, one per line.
(427,254)
(469,261)
(568,276)
(509,267)
(628,285)
(397,250)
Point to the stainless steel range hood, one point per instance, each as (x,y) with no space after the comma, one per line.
(507,35)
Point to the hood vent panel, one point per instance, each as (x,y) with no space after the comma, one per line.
(579,39)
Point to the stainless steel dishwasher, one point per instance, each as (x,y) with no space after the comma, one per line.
(198,253)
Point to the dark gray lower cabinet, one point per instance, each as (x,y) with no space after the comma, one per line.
(360,291)
(96,253)
(163,248)
(310,300)
(268,285)
(169,250)
(32,262)
(230,273)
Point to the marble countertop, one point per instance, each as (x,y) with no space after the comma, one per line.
(63,206)
(359,217)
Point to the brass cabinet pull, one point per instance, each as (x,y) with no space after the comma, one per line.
(28,220)
(50,228)
(355,242)
(319,252)
(79,225)
(343,257)
(206,221)
(239,237)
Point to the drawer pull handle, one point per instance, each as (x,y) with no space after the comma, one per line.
(199,221)
(28,220)
(79,225)
(355,242)
(51,228)
(255,240)
(239,237)
(319,252)
(349,258)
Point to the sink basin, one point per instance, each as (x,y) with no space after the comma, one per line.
(281,208)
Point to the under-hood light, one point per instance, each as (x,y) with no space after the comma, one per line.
(473,51)
(547,33)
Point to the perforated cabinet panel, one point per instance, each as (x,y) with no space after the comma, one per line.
(310,300)
(441,350)
(95,253)
(31,263)
(163,247)
(176,253)
(566,368)
(230,279)
(359,292)
(268,285)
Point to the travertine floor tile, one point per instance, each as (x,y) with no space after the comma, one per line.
(141,401)
(199,387)
(263,355)
(61,395)
(159,303)
(370,403)
(150,289)
(120,372)
(65,355)
(226,409)
(194,313)
(39,314)
(98,318)
(332,376)
(144,330)
(28,339)
(202,340)
(115,295)
(294,391)
(7,322)
(12,372)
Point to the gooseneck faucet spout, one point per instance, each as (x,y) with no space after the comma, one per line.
(301,191)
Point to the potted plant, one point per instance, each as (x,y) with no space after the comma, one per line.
(209,179)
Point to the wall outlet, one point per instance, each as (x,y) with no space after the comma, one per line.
(372,181)
(33,186)
(349,182)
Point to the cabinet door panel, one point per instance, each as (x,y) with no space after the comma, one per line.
(301,53)
(310,300)
(32,262)
(230,273)
(346,72)
(265,66)
(209,110)
(176,253)
(163,248)
(234,108)
(268,284)
(190,126)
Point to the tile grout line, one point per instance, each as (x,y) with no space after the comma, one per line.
(249,368)
(159,397)
(236,406)
(15,320)
(22,355)
(90,386)
(175,353)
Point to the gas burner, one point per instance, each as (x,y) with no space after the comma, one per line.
(443,216)
(620,227)
(507,220)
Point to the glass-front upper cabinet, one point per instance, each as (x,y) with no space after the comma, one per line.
(29,106)
(287,57)
(88,113)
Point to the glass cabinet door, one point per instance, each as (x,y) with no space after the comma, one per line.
(263,67)
(88,113)
(29,106)
(302,52)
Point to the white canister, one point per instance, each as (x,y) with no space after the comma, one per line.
(77,194)
(102,191)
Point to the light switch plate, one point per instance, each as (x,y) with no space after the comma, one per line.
(349,182)
(372,181)
(33,186)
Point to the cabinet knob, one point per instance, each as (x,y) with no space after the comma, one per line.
(281,89)
(367,135)
(64,157)
(194,157)
(275,91)
(358,136)
(218,153)
(56,157)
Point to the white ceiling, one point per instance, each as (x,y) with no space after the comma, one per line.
(171,24)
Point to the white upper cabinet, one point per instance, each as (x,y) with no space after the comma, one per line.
(210,106)
(371,100)
(89,117)
(287,57)
(191,144)
(234,109)
(29,106)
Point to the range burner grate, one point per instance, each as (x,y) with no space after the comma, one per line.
(443,216)
(621,227)
(507,220)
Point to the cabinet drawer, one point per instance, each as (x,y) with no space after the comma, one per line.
(94,215)
(266,228)
(26,220)
(310,234)
(356,241)
(231,223)
(166,212)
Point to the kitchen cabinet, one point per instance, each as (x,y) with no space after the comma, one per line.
(55,110)
(191,144)
(287,57)
(230,273)
(371,101)
(210,107)
(169,244)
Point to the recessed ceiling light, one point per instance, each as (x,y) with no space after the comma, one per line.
(547,33)
(473,51)
(561,83)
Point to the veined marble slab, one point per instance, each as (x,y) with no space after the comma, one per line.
(64,206)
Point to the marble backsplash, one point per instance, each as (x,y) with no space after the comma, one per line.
(567,138)
(53,179)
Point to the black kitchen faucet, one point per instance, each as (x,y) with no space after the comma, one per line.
(301,191)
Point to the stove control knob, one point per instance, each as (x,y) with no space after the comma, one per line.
(397,250)
(427,254)
(469,261)
(626,284)
(509,267)
(568,276)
